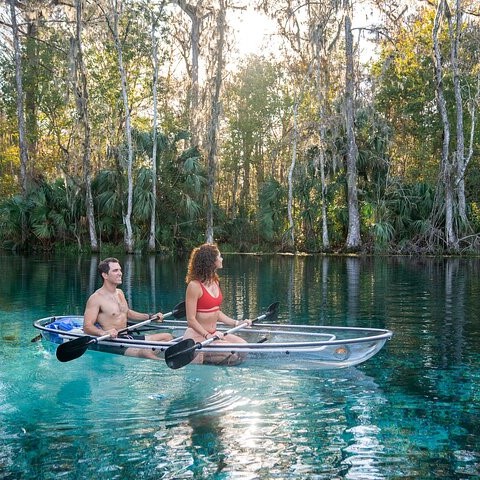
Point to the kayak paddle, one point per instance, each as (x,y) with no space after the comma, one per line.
(178,312)
(183,352)
(76,348)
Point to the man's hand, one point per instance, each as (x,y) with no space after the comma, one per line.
(112,332)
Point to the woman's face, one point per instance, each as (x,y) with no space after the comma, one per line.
(219,261)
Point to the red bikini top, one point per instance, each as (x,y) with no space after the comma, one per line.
(207,302)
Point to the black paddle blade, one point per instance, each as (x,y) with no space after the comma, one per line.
(180,354)
(73,349)
(179,311)
(272,309)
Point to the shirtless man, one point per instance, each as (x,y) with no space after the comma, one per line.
(107,310)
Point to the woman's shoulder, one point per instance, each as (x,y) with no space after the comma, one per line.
(194,286)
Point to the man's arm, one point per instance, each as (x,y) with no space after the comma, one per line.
(144,316)
(92,309)
(140,316)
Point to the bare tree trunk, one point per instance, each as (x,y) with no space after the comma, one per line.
(246,164)
(20,106)
(214,120)
(82,110)
(128,235)
(291,223)
(151,240)
(353,238)
(196,17)
(320,160)
(323,183)
(455,29)
(194,88)
(31,86)
(446,167)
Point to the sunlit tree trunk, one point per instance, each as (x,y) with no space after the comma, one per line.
(151,240)
(462,158)
(446,167)
(322,87)
(81,91)
(127,215)
(31,85)
(353,237)
(291,223)
(454,32)
(196,17)
(20,105)
(212,139)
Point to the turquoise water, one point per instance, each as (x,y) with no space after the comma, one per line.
(412,411)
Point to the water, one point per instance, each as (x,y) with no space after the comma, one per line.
(409,412)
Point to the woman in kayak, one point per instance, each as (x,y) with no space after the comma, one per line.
(203,302)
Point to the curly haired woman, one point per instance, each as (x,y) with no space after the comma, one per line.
(203,301)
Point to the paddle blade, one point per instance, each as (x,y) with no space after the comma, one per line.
(271,312)
(179,311)
(180,354)
(73,349)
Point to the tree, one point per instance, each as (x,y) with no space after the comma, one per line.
(154,25)
(353,238)
(81,96)
(197,14)
(20,104)
(453,164)
(212,138)
(113,24)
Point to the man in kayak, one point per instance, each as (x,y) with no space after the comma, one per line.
(107,311)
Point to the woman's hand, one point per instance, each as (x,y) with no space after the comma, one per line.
(159,317)
(247,322)
(217,334)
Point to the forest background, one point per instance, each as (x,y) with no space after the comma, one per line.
(138,123)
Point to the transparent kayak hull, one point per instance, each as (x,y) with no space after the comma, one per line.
(268,345)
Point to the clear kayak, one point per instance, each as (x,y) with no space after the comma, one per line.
(269,345)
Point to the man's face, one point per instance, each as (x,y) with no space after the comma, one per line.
(114,274)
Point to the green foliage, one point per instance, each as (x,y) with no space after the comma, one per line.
(272,207)
(49,214)
(397,130)
(13,218)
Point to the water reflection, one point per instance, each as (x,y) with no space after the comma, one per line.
(265,424)
(409,412)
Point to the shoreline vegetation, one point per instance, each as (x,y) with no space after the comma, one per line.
(110,250)
(137,127)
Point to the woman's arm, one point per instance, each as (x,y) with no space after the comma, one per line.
(222,317)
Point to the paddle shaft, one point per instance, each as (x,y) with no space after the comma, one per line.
(231,330)
(145,322)
(178,312)
(123,330)
(238,327)
(76,348)
(216,337)
(182,353)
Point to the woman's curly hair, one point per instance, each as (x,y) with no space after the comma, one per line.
(201,265)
